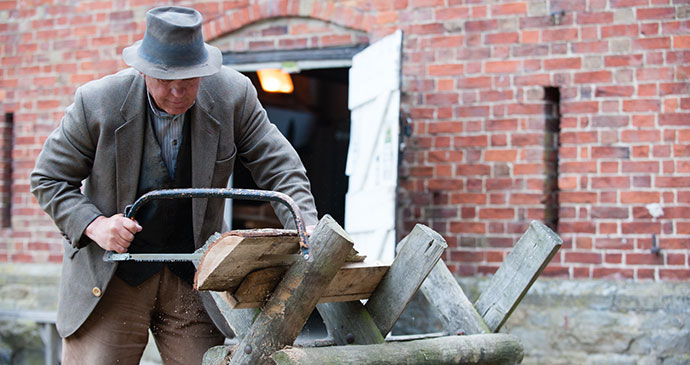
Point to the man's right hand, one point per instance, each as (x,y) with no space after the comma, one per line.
(113,234)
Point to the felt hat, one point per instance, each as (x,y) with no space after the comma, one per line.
(173,46)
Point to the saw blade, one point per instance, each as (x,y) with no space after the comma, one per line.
(153,257)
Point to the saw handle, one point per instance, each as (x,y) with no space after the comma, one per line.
(246,194)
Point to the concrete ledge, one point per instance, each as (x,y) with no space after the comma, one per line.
(587,321)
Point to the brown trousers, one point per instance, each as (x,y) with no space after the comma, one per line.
(116,332)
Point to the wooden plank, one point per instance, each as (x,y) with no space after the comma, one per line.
(294,299)
(352,282)
(516,274)
(349,323)
(477,349)
(418,253)
(235,254)
(230,258)
(456,312)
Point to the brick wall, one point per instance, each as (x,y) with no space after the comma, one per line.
(488,87)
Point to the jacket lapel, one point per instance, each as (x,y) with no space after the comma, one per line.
(205,137)
(129,140)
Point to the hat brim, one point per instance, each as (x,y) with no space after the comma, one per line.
(212,64)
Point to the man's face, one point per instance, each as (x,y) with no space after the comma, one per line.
(173,96)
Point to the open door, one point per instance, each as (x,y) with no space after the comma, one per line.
(372,161)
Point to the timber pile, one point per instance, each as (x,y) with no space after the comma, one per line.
(266,292)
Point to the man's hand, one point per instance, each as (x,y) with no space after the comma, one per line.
(113,234)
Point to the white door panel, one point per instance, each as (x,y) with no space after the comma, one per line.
(372,162)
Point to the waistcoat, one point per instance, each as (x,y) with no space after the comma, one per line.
(167,224)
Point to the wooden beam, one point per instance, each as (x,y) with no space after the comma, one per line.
(476,349)
(228,259)
(516,274)
(456,312)
(352,281)
(418,252)
(349,323)
(294,299)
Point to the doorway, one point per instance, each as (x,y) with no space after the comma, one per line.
(316,120)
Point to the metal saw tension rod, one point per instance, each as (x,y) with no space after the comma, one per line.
(246,194)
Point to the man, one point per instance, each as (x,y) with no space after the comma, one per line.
(177,118)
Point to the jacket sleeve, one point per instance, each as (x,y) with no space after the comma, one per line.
(64,162)
(272,161)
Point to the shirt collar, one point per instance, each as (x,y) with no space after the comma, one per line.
(160,112)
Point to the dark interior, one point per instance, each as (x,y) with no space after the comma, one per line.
(316,120)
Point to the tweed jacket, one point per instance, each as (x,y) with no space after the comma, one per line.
(90,164)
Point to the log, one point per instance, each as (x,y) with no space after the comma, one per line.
(286,312)
(516,274)
(349,323)
(418,252)
(475,349)
(456,312)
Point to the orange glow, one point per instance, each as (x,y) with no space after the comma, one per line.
(275,81)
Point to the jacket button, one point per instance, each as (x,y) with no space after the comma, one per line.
(96,291)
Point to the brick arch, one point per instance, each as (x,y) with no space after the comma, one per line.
(341,19)
(287,33)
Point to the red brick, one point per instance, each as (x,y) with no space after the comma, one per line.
(623,60)
(500,155)
(467,256)
(595,18)
(502,38)
(468,198)
(641,105)
(681,41)
(615,182)
(446,70)
(583,257)
(554,35)
(628,3)
(656,13)
(467,227)
(449,13)
(637,136)
(473,169)
(677,259)
(563,63)
(439,99)
(516,8)
(672,274)
(679,119)
(526,199)
(496,213)
(639,197)
(578,197)
(612,273)
(640,167)
(610,152)
(578,167)
(615,31)
(672,182)
(481,25)
(652,43)
(654,74)
(583,107)
(590,47)
(614,91)
(445,184)
(643,259)
(593,77)
(501,66)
